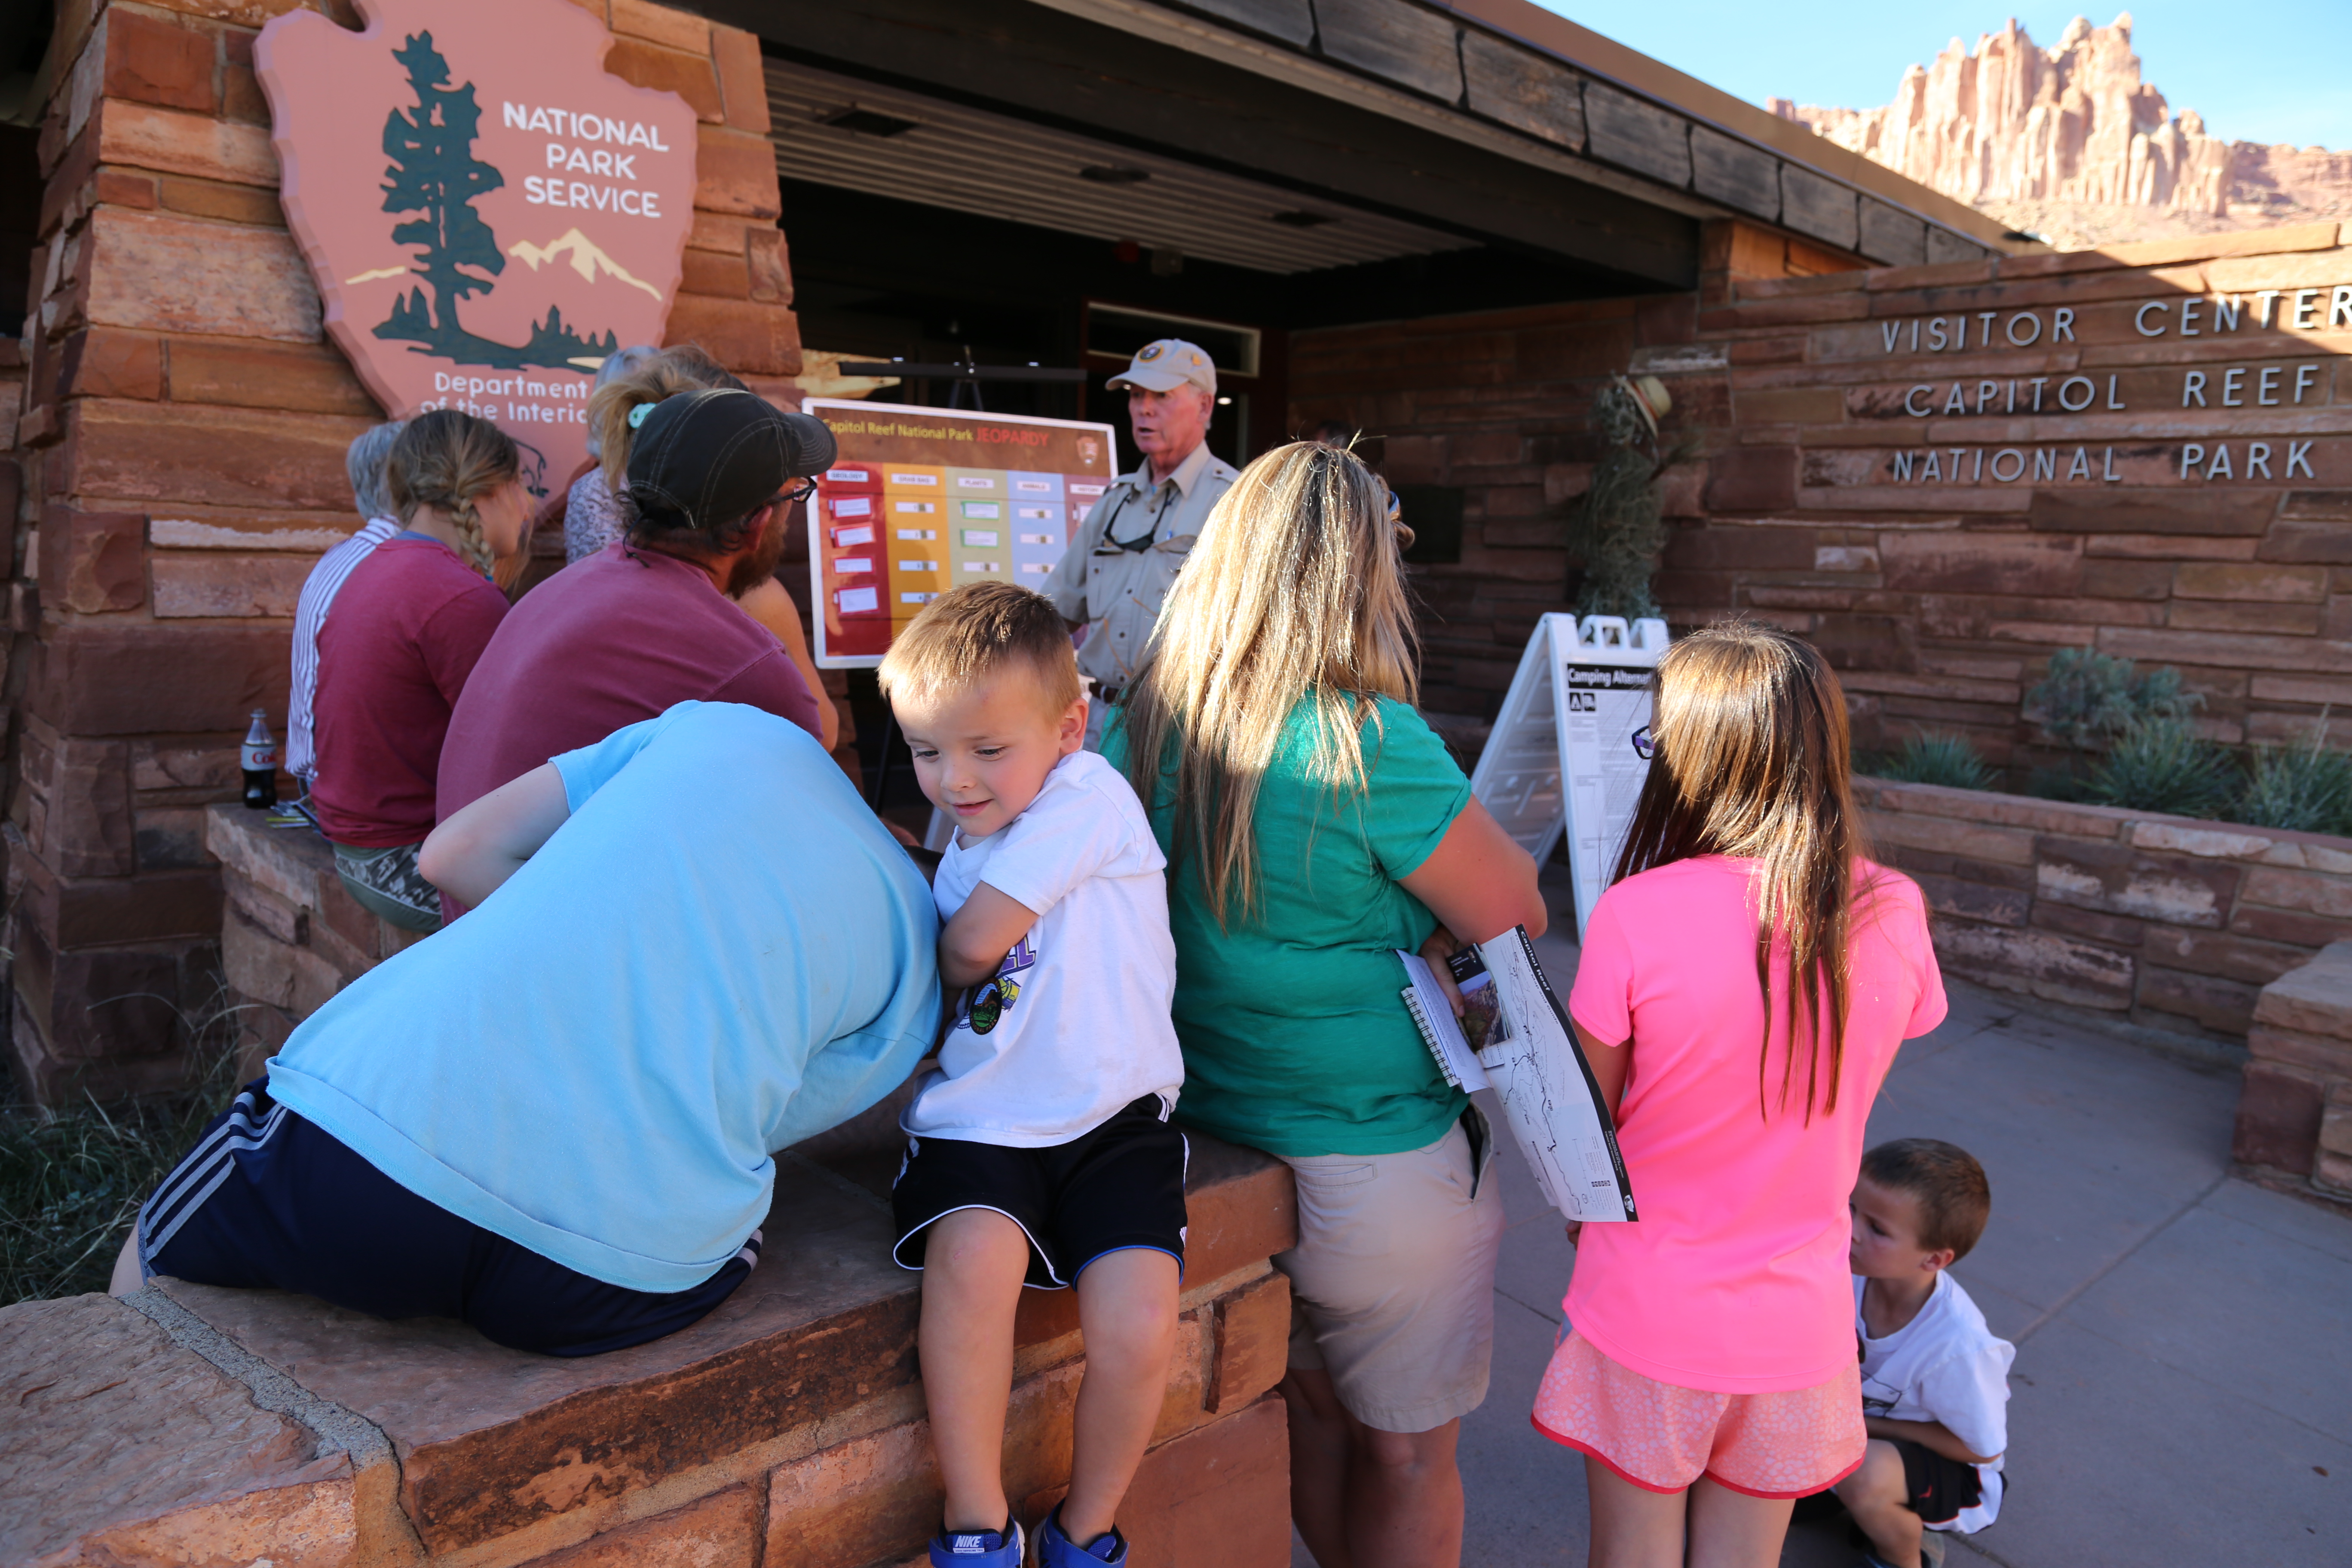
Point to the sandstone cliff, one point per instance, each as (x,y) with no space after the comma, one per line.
(2070,143)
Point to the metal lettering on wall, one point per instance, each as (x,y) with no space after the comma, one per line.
(2176,411)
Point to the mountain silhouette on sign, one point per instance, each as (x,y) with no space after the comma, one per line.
(586,260)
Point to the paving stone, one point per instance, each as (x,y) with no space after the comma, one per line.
(120,1438)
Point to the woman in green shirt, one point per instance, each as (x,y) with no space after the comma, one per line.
(1314,825)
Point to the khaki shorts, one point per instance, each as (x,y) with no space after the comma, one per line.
(1393,1280)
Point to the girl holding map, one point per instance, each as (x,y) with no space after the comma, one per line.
(1743,987)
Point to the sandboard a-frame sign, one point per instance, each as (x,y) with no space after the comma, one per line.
(1572,746)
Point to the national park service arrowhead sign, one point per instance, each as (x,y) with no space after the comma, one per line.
(488,213)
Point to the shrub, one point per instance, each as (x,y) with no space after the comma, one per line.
(1937,759)
(2089,699)
(2162,764)
(2304,787)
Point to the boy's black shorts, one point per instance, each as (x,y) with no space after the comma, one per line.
(1120,1186)
(1936,1488)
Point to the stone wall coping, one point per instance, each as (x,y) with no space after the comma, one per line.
(491,1441)
(2315,999)
(2140,829)
(288,861)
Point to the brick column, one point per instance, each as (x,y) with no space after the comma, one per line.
(183,458)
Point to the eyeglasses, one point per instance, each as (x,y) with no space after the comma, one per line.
(1645,745)
(794,494)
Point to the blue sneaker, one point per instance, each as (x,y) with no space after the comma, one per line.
(978,1548)
(1056,1550)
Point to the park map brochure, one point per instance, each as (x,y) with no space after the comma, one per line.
(1514,1038)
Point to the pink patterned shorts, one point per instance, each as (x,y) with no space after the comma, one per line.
(1662,1437)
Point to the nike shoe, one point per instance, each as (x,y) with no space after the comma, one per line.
(1056,1550)
(979,1548)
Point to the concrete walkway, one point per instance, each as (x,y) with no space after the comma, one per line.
(2182,1396)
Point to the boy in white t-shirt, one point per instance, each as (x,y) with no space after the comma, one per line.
(1935,1381)
(1040,1152)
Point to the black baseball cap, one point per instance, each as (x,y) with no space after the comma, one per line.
(716,455)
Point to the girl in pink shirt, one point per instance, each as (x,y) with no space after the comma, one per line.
(1742,989)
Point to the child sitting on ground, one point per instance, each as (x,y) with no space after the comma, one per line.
(1935,1381)
(1040,1154)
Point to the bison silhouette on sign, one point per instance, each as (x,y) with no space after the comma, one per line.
(488,213)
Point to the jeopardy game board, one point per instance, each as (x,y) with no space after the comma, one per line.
(920,499)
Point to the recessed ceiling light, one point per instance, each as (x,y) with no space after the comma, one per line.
(1113,175)
(1302,220)
(865,122)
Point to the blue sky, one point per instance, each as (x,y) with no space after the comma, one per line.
(2258,70)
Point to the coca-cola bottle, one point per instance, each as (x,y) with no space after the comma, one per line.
(258,758)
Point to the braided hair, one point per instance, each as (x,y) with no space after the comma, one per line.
(446,460)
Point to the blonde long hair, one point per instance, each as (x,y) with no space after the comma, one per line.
(1752,762)
(685,368)
(1295,591)
(447,459)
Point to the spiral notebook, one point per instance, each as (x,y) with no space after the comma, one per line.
(1514,1038)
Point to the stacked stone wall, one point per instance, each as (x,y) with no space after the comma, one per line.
(181,449)
(2216,538)
(2294,1114)
(2162,922)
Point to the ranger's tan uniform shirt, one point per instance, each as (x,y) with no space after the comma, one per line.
(1118,593)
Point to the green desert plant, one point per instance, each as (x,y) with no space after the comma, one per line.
(2089,699)
(2304,787)
(1932,758)
(2161,764)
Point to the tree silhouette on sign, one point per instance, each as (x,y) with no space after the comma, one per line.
(434,174)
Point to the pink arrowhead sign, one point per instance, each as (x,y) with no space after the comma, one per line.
(488,213)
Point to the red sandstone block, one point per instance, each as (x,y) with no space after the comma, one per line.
(105,362)
(721,1530)
(1943,835)
(189,586)
(1791,407)
(1978,562)
(114,679)
(175,453)
(770,265)
(2038,963)
(2265,583)
(156,272)
(745,337)
(2191,614)
(272,916)
(2279,1115)
(2316,998)
(2245,959)
(155,61)
(152,907)
(2123,880)
(96,1010)
(1253,1343)
(2225,651)
(1218,1496)
(1752,479)
(735,171)
(93,563)
(1733,548)
(2299,540)
(173,141)
(275,375)
(2225,1007)
(1662,320)
(720,276)
(2110,579)
(743,78)
(2108,931)
(215,199)
(123,188)
(689,76)
(2207,513)
(661,24)
(2324,1056)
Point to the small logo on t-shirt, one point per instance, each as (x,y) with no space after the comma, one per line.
(989,1003)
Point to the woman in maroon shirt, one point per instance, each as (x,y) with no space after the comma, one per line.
(407,629)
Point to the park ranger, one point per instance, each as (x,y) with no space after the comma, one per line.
(1126,553)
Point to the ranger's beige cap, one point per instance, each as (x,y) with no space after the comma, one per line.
(1165,365)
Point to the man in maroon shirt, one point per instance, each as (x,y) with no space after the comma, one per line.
(646,624)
